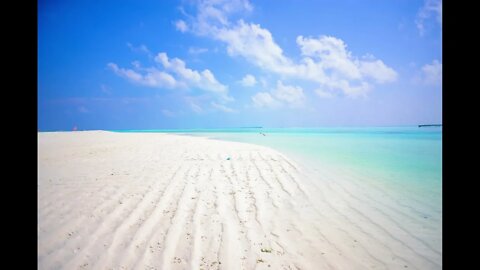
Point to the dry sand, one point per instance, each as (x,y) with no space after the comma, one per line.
(161,201)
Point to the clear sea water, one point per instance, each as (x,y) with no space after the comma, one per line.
(406,161)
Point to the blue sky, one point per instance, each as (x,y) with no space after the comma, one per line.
(206,64)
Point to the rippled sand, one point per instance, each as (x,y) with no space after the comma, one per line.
(161,201)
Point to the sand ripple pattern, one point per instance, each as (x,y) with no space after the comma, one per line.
(161,201)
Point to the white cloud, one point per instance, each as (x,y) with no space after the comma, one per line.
(324,60)
(222,107)
(432,73)
(331,54)
(248,81)
(378,71)
(194,50)
(204,80)
(162,58)
(213,14)
(140,49)
(358,90)
(323,94)
(255,44)
(137,64)
(181,26)
(264,100)
(292,95)
(153,78)
(430,7)
(333,62)
(184,76)
(327,61)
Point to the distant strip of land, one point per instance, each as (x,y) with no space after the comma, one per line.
(430,125)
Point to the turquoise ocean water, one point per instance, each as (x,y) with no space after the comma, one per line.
(405,161)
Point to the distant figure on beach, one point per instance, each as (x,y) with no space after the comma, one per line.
(74,128)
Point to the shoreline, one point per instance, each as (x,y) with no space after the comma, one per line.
(315,167)
(166,201)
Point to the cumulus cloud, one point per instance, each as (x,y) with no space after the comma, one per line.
(255,44)
(175,74)
(432,73)
(282,94)
(152,78)
(328,61)
(378,71)
(204,79)
(181,26)
(324,60)
(248,81)
(291,95)
(331,55)
(430,7)
(213,14)
(264,100)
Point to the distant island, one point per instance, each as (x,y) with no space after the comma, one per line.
(431,125)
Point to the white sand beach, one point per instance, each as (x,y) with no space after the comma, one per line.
(161,201)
